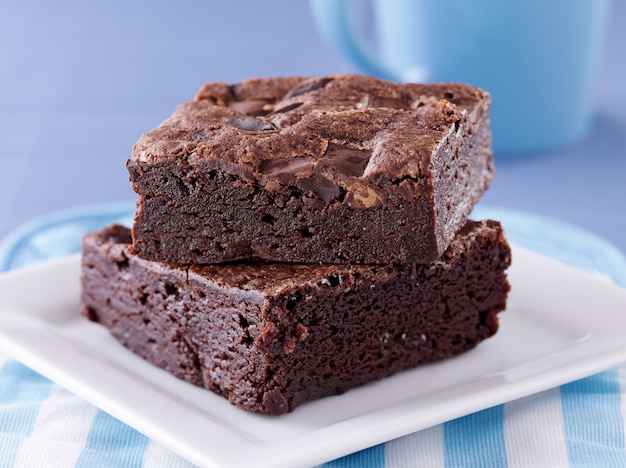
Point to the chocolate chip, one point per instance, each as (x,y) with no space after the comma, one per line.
(244,171)
(285,170)
(250,124)
(349,161)
(406,189)
(287,108)
(320,186)
(134,174)
(251,106)
(307,86)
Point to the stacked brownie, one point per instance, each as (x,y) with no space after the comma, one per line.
(295,238)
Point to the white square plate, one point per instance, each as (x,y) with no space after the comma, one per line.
(560,325)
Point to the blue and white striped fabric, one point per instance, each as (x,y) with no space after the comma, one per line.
(581,424)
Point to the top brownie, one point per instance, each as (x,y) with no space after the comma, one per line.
(338,169)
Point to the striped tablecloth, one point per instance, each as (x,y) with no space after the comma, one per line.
(579,424)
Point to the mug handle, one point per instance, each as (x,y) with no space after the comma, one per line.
(332,20)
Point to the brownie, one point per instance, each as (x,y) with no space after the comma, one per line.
(270,336)
(312,170)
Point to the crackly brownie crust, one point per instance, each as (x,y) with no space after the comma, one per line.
(270,336)
(312,170)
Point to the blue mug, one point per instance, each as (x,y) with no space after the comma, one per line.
(537,58)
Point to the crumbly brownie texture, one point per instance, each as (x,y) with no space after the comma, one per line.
(312,170)
(270,336)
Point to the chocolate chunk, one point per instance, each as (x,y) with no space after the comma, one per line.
(366,197)
(307,86)
(313,203)
(323,188)
(251,106)
(284,170)
(344,160)
(244,171)
(133,171)
(250,124)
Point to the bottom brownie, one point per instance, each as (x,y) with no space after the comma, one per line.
(271,336)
